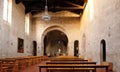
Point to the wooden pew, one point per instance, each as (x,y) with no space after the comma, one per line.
(68,59)
(0,66)
(44,58)
(21,63)
(28,61)
(72,67)
(71,63)
(9,65)
(110,66)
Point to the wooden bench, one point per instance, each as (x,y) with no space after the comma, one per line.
(0,66)
(9,65)
(68,59)
(72,67)
(110,65)
(71,63)
(19,63)
(110,68)
(2,69)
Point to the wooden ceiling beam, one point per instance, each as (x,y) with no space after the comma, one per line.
(85,3)
(30,0)
(18,1)
(38,5)
(72,9)
(79,6)
(68,8)
(57,7)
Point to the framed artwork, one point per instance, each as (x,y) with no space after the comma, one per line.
(20,45)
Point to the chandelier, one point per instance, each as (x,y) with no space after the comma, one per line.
(46,16)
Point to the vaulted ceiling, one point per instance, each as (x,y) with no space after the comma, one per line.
(35,6)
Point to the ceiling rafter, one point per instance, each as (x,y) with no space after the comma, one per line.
(79,6)
(35,6)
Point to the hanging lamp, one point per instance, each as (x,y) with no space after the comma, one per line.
(46,16)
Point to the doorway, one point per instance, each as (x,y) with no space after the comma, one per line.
(76,48)
(34,48)
(55,43)
(103,50)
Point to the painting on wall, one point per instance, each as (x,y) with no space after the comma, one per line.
(20,45)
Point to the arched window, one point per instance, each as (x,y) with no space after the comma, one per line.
(76,47)
(7,10)
(103,50)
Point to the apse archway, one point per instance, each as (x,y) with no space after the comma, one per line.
(55,41)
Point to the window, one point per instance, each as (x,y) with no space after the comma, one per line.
(7,10)
(27,24)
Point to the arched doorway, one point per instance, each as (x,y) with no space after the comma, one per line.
(34,48)
(76,48)
(55,43)
(103,50)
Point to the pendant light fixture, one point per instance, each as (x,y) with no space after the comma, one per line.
(46,16)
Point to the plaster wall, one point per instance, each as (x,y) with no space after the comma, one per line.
(13,29)
(69,25)
(101,20)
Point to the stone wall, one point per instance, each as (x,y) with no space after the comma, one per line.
(1,21)
(101,20)
(13,29)
(69,25)
(16,28)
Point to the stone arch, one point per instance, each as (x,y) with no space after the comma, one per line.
(49,29)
